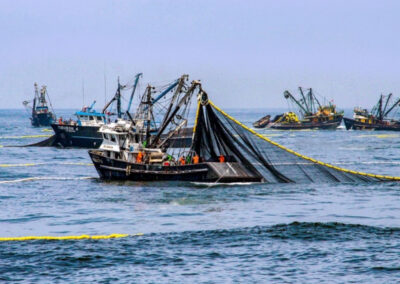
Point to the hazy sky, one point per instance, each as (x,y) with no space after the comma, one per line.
(245,52)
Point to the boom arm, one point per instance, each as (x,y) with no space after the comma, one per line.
(386,104)
(392,107)
(173,85)
(92,105)
(172,115)
(288,95)
(117,97)
(133,91)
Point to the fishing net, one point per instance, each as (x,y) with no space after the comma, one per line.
(217,134)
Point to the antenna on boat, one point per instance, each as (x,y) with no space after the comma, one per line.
(83,91)
(105,85)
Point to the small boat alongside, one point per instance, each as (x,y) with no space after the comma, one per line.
(41,114)
(377,118)
(262,122)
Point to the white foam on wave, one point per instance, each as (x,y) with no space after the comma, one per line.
(44,178)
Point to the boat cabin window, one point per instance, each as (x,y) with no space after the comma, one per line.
(105,135)
(99,118)
(91,118)
(113,139)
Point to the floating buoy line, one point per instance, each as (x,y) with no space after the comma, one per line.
(25,136)
(39,164)
(61,238)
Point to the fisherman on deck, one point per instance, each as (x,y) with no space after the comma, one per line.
(139,157)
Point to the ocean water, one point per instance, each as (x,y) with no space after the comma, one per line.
(264,233)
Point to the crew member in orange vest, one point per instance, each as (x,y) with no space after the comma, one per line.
(222,159)
(182,160)
(139,157)
(196,159)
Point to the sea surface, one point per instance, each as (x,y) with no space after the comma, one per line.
(252,233)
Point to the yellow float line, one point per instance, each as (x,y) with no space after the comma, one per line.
(39,164)
(16,165)
(298,154)
(81,237)
(26,136)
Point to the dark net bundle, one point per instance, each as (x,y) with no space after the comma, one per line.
(219,134)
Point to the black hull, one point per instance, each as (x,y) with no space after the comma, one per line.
(42,119)
(330,124)
(357,125)
(77,136)
(114,169)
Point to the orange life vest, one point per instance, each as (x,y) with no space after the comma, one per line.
(139,157)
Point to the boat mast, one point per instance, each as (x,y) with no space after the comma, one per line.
(304,100)
(149,115)
(35,98)
(119,99)
(42,98)
(314,98)
(379,110)
(386,104)
(133,90)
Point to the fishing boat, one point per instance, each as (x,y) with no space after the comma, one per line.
(41,114)
(313,114)
(377,119)
(222,149)
(83,132)
(130,152)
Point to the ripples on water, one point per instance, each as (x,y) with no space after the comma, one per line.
(199,233)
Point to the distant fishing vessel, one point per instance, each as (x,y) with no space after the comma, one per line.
(41,115)
(377,119)
(314,115)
